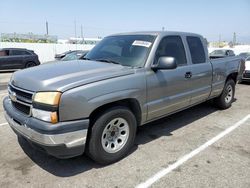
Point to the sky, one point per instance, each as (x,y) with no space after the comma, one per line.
(211,18)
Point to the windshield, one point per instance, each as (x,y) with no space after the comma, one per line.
(218,52)
(127,50)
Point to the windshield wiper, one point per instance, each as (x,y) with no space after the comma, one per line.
(107,61)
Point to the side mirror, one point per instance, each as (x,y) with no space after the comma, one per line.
(165,63)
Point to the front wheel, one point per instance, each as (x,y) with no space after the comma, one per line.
(112,135)
(226,98)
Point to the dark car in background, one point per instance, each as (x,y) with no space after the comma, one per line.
(64,54)
(221,53)
(17,58)
(75,55)
(246,74)
(244,55)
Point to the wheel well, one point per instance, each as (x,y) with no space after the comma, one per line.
(30,62)
(132,104)
(232,76)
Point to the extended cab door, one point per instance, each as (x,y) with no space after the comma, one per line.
(169,90)
(201,70)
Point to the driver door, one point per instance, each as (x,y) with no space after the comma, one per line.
(169,90)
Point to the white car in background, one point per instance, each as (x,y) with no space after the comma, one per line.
(246,74)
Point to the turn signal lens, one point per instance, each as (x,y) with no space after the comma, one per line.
(53,117)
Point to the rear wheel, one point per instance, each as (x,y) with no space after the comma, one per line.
(112,135)
(226,98)
(30,64)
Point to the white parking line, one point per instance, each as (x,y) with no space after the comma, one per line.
(3,93)
(188,156)
(3,124)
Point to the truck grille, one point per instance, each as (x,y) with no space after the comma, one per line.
(23,108)
(21,99)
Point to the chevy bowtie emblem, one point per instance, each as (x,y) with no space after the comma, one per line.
(13,96)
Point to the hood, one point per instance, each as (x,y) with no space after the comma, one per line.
(61,76)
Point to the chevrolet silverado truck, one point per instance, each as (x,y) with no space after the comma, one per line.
(127,80)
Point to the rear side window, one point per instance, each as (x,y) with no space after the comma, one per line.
(196,49)
(4,53)
(19,52)
(172,46)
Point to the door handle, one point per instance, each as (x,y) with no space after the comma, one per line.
(188,75)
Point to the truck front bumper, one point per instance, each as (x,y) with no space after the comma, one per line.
(62,140)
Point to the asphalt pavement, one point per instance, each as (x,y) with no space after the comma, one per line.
(224,163)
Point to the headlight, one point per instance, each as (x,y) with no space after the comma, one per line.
(45,106)
(49,98)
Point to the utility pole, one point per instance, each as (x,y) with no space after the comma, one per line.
(75,28)
(234,39)
(75,35)
(47,28)
(219,39)
(81,32)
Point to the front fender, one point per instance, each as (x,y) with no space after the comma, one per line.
(80,102)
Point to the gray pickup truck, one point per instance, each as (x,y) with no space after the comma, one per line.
(95,105)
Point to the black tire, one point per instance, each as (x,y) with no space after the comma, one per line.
(224,101)
(30,64)
(96,150)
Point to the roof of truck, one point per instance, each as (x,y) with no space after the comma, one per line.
(157,33)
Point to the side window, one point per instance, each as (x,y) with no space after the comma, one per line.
(172,46)
(196,49)
(16,52)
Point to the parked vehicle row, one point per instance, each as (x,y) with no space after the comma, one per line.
(74,55)
(95,105)
(18,58)
(221,53)
(71,55)
(244,55)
